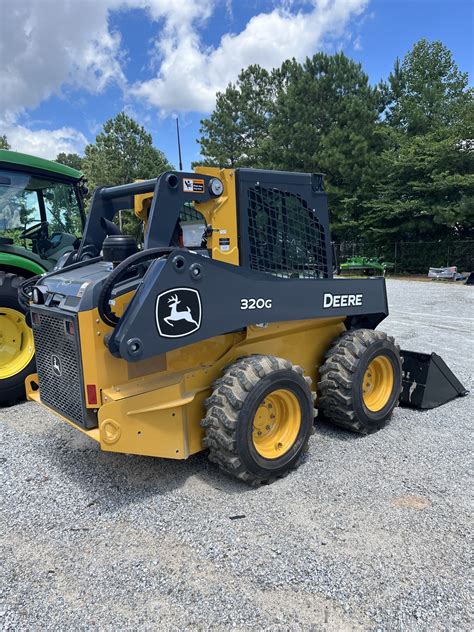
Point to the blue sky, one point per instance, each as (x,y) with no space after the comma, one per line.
(68,65)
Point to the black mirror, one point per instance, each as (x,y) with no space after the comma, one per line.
(83,188)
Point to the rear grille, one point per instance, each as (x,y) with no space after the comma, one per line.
(59,366)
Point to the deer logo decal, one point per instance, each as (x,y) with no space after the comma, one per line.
(178,312)
(56,364)
(175,314)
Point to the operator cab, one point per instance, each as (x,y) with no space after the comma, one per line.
(43,215)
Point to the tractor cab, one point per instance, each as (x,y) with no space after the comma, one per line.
(41,220)
(41,211)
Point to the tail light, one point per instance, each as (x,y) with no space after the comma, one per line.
(91,390)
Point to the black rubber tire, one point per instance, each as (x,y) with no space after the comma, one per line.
(341,378)
(12,389)
(231,410)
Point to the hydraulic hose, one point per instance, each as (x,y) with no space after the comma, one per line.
(24,291)
(105,310)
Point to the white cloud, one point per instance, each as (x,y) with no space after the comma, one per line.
(190,73)
(43,142)
(46,45)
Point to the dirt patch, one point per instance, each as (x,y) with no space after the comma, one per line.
(411,502)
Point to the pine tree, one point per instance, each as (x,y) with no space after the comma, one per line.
(4,144)
(426,182)
(326,121)
(122,152)
(235,131)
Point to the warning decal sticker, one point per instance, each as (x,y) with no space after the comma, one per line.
(193,185)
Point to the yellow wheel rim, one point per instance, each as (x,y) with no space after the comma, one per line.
(276,424)
(16,343)
(378,383)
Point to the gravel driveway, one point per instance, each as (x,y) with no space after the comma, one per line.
(371,533)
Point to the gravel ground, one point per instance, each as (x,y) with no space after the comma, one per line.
(371,533)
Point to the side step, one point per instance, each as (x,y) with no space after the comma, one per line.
(427,381)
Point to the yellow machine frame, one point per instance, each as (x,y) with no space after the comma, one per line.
(155,407)
(159,412)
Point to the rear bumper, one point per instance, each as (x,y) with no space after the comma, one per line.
(151,423)
(33,394)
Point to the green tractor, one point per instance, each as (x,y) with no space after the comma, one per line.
(41,218)
(363,267)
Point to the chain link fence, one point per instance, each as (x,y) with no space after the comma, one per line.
(412,257)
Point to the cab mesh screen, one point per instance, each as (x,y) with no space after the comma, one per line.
(285,236)
(189,214)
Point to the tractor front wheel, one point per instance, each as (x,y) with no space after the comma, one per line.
(360,380)
(16,342)
(259,418)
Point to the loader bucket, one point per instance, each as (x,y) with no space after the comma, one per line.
(427,381)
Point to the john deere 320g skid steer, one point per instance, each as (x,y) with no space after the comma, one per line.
(222,333)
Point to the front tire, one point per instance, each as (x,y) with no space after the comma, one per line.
(360,380)
(259,419)
(17,359)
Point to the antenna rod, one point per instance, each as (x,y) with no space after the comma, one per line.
(179,145)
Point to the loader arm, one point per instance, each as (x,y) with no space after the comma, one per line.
(223,298)
(169,195)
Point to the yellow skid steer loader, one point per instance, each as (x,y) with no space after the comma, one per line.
(222,333)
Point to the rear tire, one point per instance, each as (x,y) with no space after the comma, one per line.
(259,419)
(17,359)
(360,380)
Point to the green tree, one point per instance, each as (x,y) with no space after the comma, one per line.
(122,152)
(70,160)
(234,133)
(222,142)
(326,119)
(428,89)
(4,144)
(398,157)
(426,181)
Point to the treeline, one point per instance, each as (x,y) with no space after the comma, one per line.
(398,157)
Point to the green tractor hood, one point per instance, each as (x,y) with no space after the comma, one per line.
(25,162)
